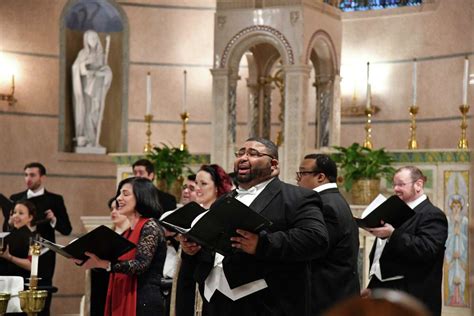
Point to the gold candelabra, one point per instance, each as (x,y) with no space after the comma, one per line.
(412,143)
(462,144)
(4,298)
(368,129)
(32,301)
(184,118)
(148,146)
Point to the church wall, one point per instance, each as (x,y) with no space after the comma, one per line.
(439,38)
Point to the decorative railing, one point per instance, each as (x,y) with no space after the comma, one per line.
(364,5)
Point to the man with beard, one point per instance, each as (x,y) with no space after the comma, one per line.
(52,216)
(269,273)
(410,258)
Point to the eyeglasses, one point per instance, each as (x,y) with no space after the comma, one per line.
(252,153)
(300,174)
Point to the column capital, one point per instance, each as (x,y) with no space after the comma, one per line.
(305,69)
(219,72)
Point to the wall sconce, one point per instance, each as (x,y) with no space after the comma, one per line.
(10,98)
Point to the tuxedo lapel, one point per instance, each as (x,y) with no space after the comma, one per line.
(266,196)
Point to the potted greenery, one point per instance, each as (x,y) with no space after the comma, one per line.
(362,169)
(170,163)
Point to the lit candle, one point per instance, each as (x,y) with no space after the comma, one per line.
(368,88)
(414,81)
(34,264)
(465,81)
(184,93)
(148,94)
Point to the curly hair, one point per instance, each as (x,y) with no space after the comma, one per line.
(221,179)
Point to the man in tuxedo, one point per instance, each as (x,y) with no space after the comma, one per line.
(52,216)
(410,258)
(334,277)
(269,272)
(143,168)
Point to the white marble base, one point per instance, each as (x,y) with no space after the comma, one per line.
(90,150)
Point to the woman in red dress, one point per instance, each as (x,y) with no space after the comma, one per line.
(134,284)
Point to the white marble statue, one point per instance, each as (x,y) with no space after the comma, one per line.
(91,79)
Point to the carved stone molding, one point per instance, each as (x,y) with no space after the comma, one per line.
(258,29)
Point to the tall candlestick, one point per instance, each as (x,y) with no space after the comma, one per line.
(148,94)
(184,92)
(34,265)
(368,104)
(414,81)
(465,81)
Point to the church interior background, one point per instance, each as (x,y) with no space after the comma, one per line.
(294,71)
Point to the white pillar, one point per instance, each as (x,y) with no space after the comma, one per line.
(220,119)
(296,104)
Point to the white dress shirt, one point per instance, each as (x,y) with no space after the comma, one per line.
(31,194)
(326,186)
(216,279)
(375,269)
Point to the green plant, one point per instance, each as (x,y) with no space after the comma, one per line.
(169,163)
(358,162)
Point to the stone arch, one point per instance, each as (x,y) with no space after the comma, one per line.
(115,125)
(251,36)
(321,54)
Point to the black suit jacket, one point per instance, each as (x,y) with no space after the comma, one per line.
(335,276)
(416,251)
(284,251)
(43,203)
(6,206)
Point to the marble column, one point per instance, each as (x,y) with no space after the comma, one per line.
(252,123)
(296,104)
(266,110)
(335,116)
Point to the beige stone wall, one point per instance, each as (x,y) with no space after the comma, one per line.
(439,36)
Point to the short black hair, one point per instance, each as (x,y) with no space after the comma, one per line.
(146,195)
(145,163)
(38,165)
(324,164)
(272,148)
(192,177)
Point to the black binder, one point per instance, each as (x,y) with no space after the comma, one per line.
(393,211)
(214,228)
(102,241)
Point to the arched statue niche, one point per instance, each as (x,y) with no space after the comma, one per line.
(324,99)
(93,76)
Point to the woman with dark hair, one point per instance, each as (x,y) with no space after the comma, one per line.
(212,182)
(134,284)
(15,257)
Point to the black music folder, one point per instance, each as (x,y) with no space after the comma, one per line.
(392,211)
(101,241)
(213,228)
